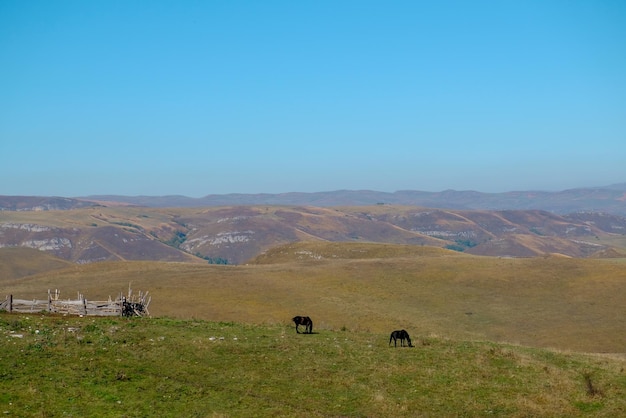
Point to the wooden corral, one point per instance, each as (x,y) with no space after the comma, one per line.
(129,305)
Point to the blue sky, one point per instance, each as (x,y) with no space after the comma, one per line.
(203,97)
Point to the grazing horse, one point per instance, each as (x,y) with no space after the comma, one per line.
(303,320)
(400,335)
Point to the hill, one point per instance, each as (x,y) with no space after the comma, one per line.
(237,234)
(21,262)
(499,336)
(564,303)
(40,203)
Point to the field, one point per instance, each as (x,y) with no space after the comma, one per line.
(494,336)
(550,302)
(82,367)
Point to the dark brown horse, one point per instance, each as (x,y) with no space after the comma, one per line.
(400,335)
(303,320)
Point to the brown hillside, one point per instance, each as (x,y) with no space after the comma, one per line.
(529,245)
(41,203)
(237,234)
(91,235)
(241,233)
(22,262)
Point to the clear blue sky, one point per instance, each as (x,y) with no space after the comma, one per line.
(202,97)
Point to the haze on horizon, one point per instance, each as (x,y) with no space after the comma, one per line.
(195,98)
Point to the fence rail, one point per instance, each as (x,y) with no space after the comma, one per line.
(121,306)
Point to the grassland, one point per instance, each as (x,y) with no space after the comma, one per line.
(22,262)
(113,367)
(550,302)
(540,337)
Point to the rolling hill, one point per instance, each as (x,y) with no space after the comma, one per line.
(556,302)
(478,290)
(21,262)
(237,234)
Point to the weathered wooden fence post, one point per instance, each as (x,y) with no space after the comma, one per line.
(10,303)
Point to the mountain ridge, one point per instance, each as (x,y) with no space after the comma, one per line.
(610,199)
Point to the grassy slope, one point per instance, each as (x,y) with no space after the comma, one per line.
(20,262)
(568,304)
(70,366)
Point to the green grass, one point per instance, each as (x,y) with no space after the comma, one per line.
(81,367)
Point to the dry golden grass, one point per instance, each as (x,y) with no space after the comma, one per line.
(20,262)
(563,303)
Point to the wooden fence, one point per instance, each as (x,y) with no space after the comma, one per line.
(121,306)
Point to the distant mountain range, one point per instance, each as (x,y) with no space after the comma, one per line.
(608,199)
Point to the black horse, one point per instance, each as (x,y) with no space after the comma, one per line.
(400,335)
(303,320)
